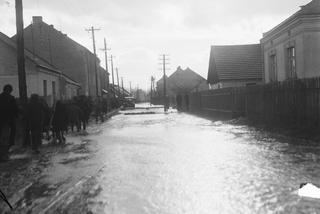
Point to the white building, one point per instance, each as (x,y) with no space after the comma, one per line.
(42,78)
(292,49)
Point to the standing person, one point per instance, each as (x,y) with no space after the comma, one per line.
(59,121)
(36,116)
(8,114)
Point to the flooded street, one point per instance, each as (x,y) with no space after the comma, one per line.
(178,163)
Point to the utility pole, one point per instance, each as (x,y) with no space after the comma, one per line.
(118,81)
(20,54)
(105,49)
(114,93)
(151,88)
(164,59)
(92,30)
(122,87)
(130,89)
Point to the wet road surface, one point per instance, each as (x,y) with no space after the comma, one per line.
(174,163)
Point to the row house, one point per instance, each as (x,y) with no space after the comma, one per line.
(235,66)
(71,58)
(292,49)
(42,78)
(182,81)
(289,51)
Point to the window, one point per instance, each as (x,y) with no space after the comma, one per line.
(54,90)
(291,60)
(45,92)
(273,74)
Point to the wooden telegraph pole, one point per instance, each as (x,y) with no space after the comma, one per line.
(20,54)
(92,30)
(114,93)
(122,87)
(164,59)
(118,82)
(105,49)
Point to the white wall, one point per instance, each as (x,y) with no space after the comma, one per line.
(305,35)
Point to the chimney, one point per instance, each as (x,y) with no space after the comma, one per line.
(37,19)
(51,26)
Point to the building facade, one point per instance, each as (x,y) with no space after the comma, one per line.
(291,50)
(71,58)
(235,66)
(42,78)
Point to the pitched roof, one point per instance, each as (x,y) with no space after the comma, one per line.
(184,81)
(310,9)
(39,61)
(235,62)
(28,54)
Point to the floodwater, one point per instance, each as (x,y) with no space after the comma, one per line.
(178,163)
(145,161)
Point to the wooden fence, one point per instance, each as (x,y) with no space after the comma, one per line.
(294,102)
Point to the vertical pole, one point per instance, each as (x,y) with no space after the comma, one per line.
(20,53)
(107,70)
(106,59)
(114,93)
(164,83)
(151,89)
(122,87)
(130,89)
(95,60)
(118,82)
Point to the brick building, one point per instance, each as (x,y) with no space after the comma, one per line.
(67,55)
(42,78)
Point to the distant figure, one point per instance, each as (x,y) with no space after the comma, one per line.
(47,117)
(85,104)
(8,115)
(179,102)
(36,116)
(59,122)
(75,116)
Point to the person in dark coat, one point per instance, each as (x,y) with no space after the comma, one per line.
(8,115)
(75,116)
(36,116)
(59,121)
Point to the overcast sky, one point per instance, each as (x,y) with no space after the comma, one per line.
(139,30)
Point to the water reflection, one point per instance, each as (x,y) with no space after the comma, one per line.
(177,163)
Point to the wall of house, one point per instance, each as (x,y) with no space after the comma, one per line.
(8,61)
(34,85)
(304,34)
(312,53)
(68,56)
(236,83)
(71,91)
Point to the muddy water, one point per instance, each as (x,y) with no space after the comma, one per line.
(178,163)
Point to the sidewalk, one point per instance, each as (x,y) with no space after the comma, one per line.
(24,168)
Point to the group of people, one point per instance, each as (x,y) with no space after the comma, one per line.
(40,120)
